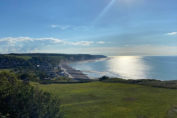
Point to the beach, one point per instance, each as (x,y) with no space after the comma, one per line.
(73,73)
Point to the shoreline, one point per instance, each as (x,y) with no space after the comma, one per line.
(73,73)
(158,68)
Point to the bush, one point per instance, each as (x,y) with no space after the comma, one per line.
(103,78)
(20,100)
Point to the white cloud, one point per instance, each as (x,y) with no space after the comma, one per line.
(62,27)
(25,44)
(72,27)
(139,50)
(100,42)
(86,43)
(82,43)
(172,33)
(28,44)
(13,40)
(55,45)
(53,26)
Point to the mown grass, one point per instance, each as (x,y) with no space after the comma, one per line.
(113,100)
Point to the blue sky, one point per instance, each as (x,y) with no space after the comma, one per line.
(109,27)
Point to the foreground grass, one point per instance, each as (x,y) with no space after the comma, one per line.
(113,100)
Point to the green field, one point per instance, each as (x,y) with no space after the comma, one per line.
(114,100)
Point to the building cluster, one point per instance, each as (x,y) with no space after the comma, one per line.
(72,73)
(50,70)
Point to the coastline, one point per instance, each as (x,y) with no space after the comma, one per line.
(131,67)
(77,74)
(73,73)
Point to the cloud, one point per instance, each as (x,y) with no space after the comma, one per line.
(28,44)
(100,42)
(172,33)
(72,27)
(62,27)
(82,43)
(139,50)
(25,44)
(56,45)
(86,43)
(13,40)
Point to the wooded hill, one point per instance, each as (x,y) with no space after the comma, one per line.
(29,59)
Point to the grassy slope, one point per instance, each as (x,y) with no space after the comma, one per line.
(113,100)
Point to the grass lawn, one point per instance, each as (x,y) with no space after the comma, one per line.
(113,100)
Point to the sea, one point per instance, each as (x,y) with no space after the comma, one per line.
(130,67)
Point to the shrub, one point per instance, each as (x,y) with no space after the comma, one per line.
(20,100)
(103,78)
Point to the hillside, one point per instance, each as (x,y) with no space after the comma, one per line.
(114,100)
(16,60)
(40,65)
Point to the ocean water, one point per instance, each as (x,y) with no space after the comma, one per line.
(131,67)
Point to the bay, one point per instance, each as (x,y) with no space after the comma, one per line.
(131,67)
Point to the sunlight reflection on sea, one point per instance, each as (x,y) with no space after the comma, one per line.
(131,67)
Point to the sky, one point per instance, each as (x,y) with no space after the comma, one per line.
(108,27)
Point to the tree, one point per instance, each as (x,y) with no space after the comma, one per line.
(103,78)
(19,100)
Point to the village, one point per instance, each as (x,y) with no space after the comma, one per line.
(62,70)
(46,66)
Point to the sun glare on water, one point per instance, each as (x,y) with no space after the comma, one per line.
(129,67)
